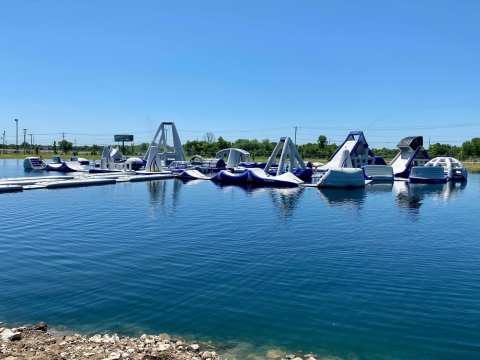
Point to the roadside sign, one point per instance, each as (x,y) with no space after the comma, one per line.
(123,138)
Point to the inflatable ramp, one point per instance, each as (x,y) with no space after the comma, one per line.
(378,172)
(65,167)
(191,174)
(257,177)
(427,175)
(228,177)
(411,154)
(260,177)
(342,178)
(352,153)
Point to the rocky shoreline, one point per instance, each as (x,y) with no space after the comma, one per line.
(37,342)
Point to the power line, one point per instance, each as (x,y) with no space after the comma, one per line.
(425,127)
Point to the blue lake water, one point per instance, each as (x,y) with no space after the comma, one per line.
(390,272)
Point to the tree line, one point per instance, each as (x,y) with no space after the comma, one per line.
(210,145)
(321,149)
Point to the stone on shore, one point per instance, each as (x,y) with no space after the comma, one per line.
(9,335)
(41,326)
(195,347)
(274,354)
(163,347)
(206,355)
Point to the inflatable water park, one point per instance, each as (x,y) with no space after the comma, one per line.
(352,165)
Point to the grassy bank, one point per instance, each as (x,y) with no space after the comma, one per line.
(473,167)
(48,155)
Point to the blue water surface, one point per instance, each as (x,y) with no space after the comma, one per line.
(389,272)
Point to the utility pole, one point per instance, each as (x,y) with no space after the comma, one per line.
(24,141)
(16,143)
(296,128)
(63,147)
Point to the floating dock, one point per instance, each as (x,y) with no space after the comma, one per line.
(162,176)
(80,183)
(32,180)
(79,180)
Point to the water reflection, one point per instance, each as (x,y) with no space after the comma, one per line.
(380,187)
(158,191)
(451,190)
(412,196)
(343,197)
(284,199)
(190,182)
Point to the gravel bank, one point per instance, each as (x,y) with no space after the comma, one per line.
(37,342)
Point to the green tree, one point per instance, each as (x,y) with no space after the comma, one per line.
(143,148)
(322,141)
(54,148)
(444,150)
(65,146)
(95,149)
(222,143)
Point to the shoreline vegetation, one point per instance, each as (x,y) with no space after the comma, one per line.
(39,342)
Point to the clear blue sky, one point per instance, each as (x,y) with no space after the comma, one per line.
(243,68)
